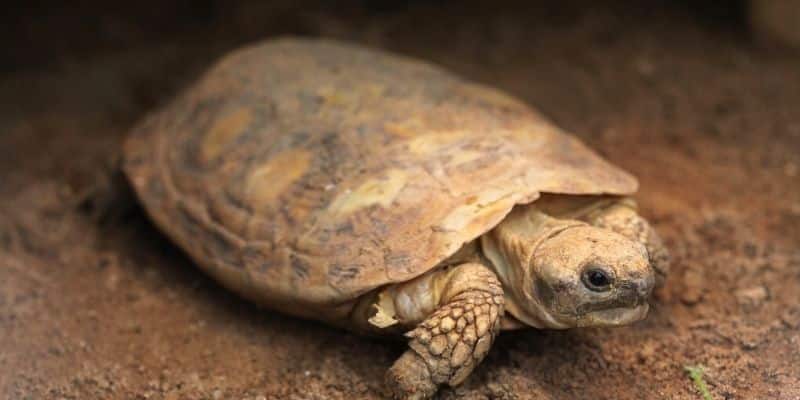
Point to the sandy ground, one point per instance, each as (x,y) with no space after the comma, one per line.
(706,120)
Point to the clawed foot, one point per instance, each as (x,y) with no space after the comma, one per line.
(410,379)
(451,342)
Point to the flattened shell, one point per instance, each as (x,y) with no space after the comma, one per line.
(304,173)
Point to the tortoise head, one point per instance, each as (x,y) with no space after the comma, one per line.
(587,276)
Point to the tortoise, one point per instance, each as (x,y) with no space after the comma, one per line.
(386,195)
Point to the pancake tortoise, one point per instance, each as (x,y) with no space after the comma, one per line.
(385,195)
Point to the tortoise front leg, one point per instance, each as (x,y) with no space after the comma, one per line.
(451,341)
(621,217)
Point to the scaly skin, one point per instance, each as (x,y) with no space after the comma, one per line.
(622,218)
(452,341)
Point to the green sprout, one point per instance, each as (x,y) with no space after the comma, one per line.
(696,374)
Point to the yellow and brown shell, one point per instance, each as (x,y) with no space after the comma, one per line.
(305,173)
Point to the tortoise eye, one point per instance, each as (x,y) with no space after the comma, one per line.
(597,279)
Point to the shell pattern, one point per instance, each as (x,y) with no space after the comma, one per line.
(305,173)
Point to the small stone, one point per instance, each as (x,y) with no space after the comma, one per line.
(693,286)
(496,390)
(647,351)
(749,344)
(752,297)
(791,318)
(103,383)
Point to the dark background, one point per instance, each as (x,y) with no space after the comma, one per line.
(689,96)
(40,33)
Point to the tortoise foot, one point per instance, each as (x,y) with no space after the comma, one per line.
(410,379)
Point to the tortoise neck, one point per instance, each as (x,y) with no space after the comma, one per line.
(510,248)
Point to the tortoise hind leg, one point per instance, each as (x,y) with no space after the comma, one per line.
(621,217)
(452,341)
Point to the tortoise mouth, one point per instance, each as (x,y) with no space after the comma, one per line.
(606,317)
(614,316)
(625,306)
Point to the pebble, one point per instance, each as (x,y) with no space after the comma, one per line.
(751,297)
(497,391)
(791,318)
(693,287)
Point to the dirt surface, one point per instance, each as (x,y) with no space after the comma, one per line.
(682,98)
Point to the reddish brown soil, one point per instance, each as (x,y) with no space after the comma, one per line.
(708,122)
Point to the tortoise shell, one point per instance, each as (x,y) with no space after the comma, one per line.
(304,173)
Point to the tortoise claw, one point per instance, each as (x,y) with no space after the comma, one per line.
(410,379)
